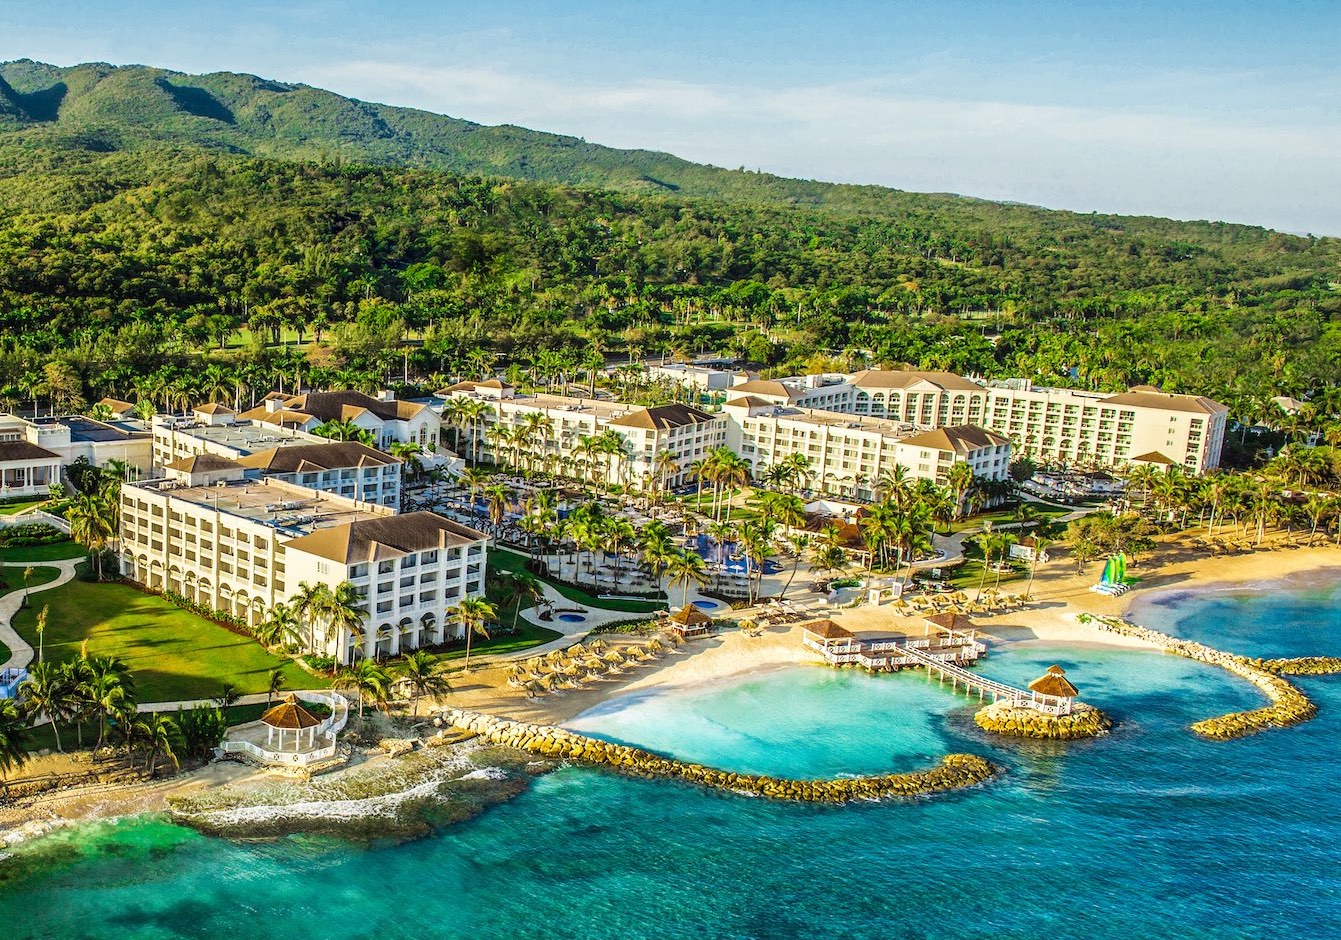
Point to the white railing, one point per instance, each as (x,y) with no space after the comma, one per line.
(330,727)
(1019,698)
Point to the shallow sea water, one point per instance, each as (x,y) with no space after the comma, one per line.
(1146,833)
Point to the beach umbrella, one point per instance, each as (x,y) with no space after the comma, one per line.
(656,646)
(613,656)
(532,689)
(598,645)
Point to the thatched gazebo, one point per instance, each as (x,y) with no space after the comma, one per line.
(689,622)
(1054,683)
(289,716)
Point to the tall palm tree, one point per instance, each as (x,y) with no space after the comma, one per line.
(41,627)
(274,683)
(91,525)
(343,613)
(47,691)
(422,671)
(960,480)
(474,614)
(280,627)
(408,452)
(309,606)
(522,588)
(687,568)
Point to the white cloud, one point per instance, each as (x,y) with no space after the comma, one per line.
(1258,167)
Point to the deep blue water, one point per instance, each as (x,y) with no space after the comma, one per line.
(1146,833)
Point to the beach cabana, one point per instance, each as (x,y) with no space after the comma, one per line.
(288,720)
(951,622)
(836,644)
(689,622)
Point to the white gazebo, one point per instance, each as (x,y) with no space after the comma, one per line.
(288,721)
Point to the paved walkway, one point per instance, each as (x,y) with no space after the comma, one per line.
(20,653)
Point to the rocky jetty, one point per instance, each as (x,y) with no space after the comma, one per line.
(1289,706)
(955,771)
(1301,665)
(1003,718)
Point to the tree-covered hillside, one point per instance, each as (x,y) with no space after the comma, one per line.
(117,265)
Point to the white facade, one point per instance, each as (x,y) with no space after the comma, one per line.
(848,455)
(75,436)
(385,417)
(241,546)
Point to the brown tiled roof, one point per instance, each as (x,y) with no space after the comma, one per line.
(306,458)
(203,463)
(339,406)
(961,440)
(386,537)
(1154,457)
(751,401)
(213,408)
(283,417)
(24,450)
(117,405)
(290,716)
(1193,404)
(827,629)
(764,387)
(466,386)
(900,378)
(663,416)
(1054,682)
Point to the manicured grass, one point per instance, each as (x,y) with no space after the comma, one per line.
(503,560)
(42,574)
(56,551)
(527,636)
(13,509)
(172,654)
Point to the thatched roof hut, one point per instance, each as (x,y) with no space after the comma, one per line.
(690,616)
(950,621)
(1054,682)
(826,630)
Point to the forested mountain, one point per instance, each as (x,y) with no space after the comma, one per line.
(156,227)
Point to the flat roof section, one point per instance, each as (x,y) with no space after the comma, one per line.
(294,511)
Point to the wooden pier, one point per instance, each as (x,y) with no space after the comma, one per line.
(943,656)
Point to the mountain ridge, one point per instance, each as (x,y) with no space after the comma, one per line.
(102,107)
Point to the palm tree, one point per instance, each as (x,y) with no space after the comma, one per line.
(41,628)
(408,452)
(160,735)
(343,612)
(309,606)
(960,480)
(987,542)
(798,542)
(473,613)
(1040,548)
(15,736)
(27,576)
(280,627)
(423,672)
(369,680)
(687,568)
(473,479)
(338,430)
(499,498)
(274,683)
(47,691)
(91,525)
(523,587)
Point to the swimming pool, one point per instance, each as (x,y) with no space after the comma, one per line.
(723,555)
(706,604)
(572,618)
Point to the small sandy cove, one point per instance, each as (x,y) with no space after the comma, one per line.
(1059,595)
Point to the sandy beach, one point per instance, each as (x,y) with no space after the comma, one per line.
(1059,596)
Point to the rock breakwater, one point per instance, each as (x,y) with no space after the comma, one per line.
(1289,706)
(955,771)
(1003,718)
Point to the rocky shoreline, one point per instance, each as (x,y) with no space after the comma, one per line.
(1004,719)
(956,771)
(1289,706)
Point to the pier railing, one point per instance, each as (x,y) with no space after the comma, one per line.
(972,682)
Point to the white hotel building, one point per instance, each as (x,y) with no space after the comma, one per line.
(849,454)
(1061,426)
(242,545)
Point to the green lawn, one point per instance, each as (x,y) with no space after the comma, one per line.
(42,574)
(13,509)
(527,636)
(172,654)
(503,560)
(56,551)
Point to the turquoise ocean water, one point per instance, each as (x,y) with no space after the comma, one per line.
(1147,833)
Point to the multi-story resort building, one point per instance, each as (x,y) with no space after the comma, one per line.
(848,454)
(217,430)
(560,434)
(240,545)
(386,418)
(1055,426)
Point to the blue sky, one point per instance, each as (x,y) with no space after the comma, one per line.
(1224,110)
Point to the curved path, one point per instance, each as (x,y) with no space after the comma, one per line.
(20,653)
